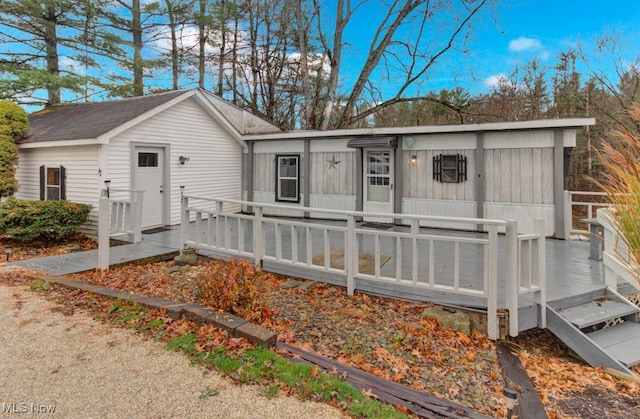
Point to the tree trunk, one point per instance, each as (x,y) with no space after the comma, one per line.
(202,43)
(175,74)
(53,89)
(335,56)
(138,65)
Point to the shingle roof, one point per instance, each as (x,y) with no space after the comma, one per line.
(90,120)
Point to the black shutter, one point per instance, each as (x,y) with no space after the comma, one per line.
(437,161)
(63,183)
(42,183)
(462,168)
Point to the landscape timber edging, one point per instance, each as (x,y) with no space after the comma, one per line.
(236,326)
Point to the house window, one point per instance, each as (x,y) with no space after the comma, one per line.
(288,178)
(147,159)
(450,168)
(52,183)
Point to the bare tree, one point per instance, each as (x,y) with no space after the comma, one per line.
(409,38)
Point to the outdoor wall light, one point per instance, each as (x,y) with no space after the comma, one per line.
(183,159)
(107,183)
(510,397)
(414,159)
(8,250)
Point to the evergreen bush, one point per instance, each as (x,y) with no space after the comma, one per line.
(41,220)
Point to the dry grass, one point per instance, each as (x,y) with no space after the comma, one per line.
(621,160)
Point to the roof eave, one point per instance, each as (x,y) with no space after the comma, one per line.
(567,123)
(60,143)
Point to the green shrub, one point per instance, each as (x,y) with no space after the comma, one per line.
(14,124)
(41,220)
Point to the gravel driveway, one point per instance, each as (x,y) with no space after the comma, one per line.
(81,368)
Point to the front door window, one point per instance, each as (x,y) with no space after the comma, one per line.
(378,176)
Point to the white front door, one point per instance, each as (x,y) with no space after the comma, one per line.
(378,182)
(149,177)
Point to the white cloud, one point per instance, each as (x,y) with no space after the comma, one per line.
(493,80)
(524,44)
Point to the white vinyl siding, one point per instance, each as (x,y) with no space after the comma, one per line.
(213,169)
(81,164)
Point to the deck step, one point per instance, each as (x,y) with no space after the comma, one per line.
(598,311)
(621,341)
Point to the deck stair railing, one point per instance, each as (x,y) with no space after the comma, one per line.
(350,254)
(120,212)
(618,259)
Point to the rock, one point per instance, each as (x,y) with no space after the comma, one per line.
(307,285)
(451,318)
(290,284)
(187,257)
(176,269)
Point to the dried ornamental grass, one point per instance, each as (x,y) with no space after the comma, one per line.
(621,160)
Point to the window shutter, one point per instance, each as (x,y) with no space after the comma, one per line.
(42,183)
(437,161)
(462,168)
(63,183)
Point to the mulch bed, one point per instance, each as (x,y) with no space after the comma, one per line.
(21,250)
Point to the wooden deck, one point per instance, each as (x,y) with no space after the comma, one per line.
(568,268)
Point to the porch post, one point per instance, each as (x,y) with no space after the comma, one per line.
(491,283)
(184,221)
(103,233)
(512,279)
(481,183)
(306,181)
(542,270)
(559,185)
(568,214)
(351,254)
(136,224)
(258,239)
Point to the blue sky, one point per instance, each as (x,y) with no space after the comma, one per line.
(521,30)
(528,29)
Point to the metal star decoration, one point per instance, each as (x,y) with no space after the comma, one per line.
(333,163)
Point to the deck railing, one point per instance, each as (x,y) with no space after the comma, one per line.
(120,212)
(583,205)
(617,257)
(406,261)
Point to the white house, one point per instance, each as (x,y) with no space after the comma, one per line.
(191,138)
(510,170)
(154,143)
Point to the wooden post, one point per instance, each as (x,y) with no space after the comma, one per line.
(512,275)
(542,270)
(103,233)
(491,285)
(568,214)
(258,239)
(351,254)
(136,216)
(184,221)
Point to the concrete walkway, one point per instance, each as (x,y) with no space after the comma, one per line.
(153,247)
